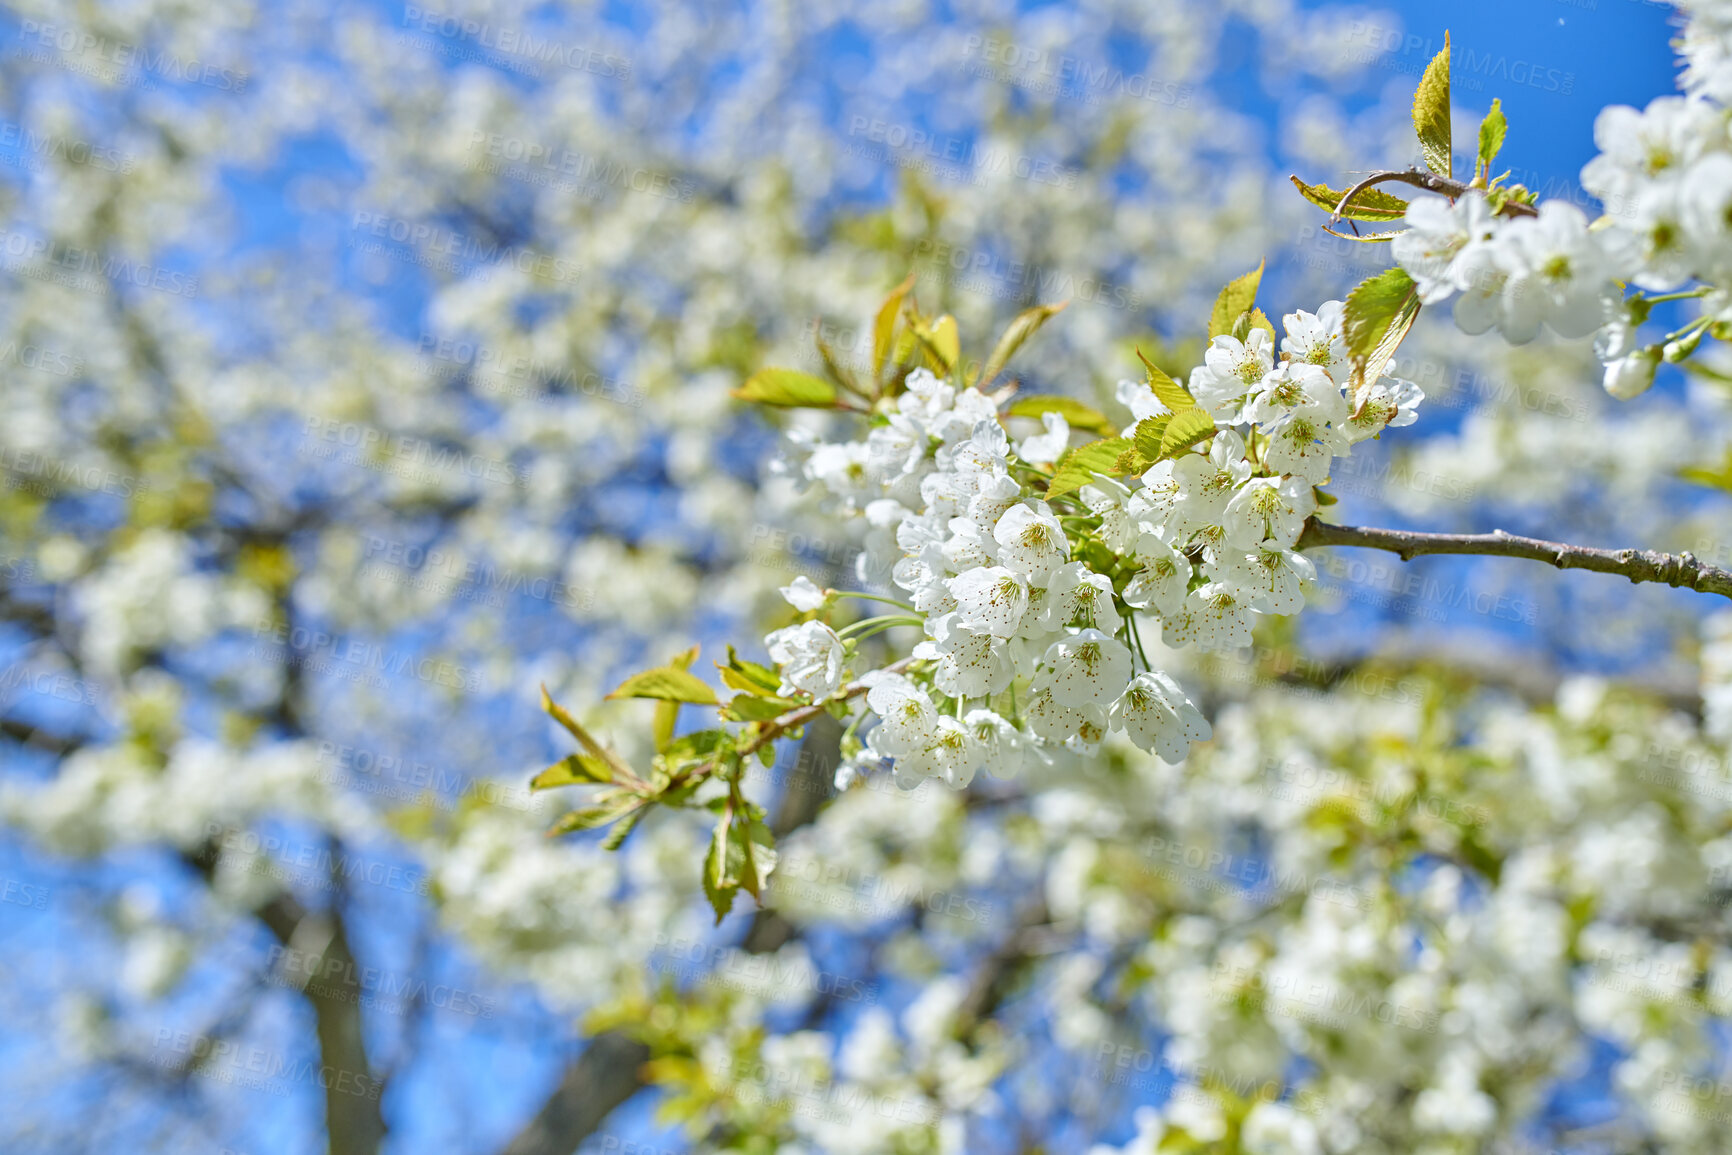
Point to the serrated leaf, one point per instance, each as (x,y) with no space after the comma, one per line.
(1259,321)
(573,769)
(617,836)
(1377,316)
(1025,326)
(595,749)
(1078,467)
(748,674)
(1147,436)
(749,708)
(717,889)
(788,388)
(606,808)
(1075,413)
(839,372)
(757,855)
(669,684)
(1373,205)
(1185,430)
(1366,238)
(667,714)
(1132,461)
(1491,133)
(1431,112)
(942,341)
(1167,391)
(1236,297)
(884,328)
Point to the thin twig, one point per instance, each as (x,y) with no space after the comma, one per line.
(1639,565)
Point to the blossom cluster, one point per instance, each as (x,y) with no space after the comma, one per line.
(1664,176)
(1013,583)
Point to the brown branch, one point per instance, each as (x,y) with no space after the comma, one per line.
(1430,182)
(1639,565)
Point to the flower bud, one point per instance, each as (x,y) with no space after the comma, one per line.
(1681,349)
(1631,376)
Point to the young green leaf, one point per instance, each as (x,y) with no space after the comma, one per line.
(941,341)
(1185,430)
(619,766)
(1377,316)
(1366,238)
(1147,436)
(717,888)
(669,684)
(884,328)
(609,806)
(748,708)
(1167,391)
(1075,413)
(1237,297)
(1078,467)
(1431,112)
(1026,324)
(573,769)
(667,714)
(788,388)
(749,676)
(1491,134)
(1373,205)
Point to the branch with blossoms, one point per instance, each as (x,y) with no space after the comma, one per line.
(1030,569)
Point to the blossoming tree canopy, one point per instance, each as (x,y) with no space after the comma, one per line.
(1031,568)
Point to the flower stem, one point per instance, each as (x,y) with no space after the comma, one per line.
(876,598)
(870,626)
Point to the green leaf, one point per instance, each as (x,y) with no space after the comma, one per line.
(1237,297)
(617,836)
(749,708)
(1148,434)
(572,770)
(757,855)
(668,713)
(1491,134)
(1185,430)
(1323,496)
(1026,324)
(1078,467)
(1075,413)
(884,329)
(1259,321)
(1371,204)
(941,341)
(1366,238)
(1431,112)
(607,807)
(596,749)
(717,889)
(1167,391)
(789,388)
(669,684)
(697,744)
(1377,316)
(749,676)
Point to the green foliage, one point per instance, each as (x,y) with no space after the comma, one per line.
(788,388)
(884,328)
(669,684)
(1078,467)
(1075,413)
(1378,315)
(1235,298)
(1431,112)
(742,854)
(1491,133)
(1027,323)
(1167,391)
(572,770)
(1372,205)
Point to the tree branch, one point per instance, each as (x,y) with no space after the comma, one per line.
(1639,565)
